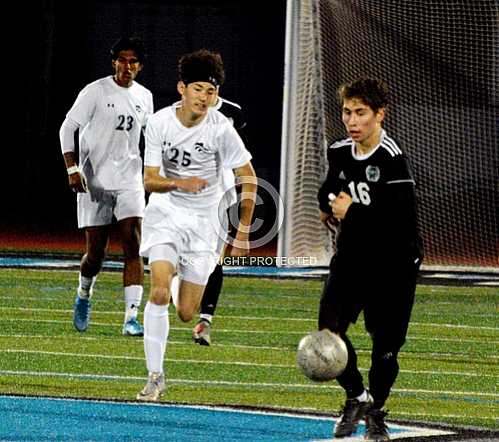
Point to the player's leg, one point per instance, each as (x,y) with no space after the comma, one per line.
(195,269)
(189,298)
(129,211)
(336,311)
(97,239)
(162,263)
(388,330)
(201,333)
(95,212)
(133,274)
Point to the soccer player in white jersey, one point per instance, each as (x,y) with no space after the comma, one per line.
(188,142)
(109,114)
(370,193)
(201,333)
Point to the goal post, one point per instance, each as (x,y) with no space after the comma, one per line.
(303,153)
(440,62)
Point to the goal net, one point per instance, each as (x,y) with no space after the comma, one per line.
(440,60)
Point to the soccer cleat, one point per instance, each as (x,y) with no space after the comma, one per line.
(353,411)
(154,388)
(132,327)
(376,429)
(81,313)
(201,332)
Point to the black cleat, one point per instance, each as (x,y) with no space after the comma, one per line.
(376,429)
(353,411)
(201,332)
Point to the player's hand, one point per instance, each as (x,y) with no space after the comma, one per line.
(340,205)
(329,221)
(78,182)
(192,184)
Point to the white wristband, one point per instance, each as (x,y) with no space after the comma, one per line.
(73,169)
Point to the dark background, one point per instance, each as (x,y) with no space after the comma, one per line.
(60,46)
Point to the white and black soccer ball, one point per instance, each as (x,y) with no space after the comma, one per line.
(322,355)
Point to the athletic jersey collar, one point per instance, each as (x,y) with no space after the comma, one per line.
(173,110)
(371,152)
(118,87)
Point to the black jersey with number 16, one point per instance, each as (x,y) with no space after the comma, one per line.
(382,220)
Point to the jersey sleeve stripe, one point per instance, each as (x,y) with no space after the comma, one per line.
(231,103)
(341,143)
(391,146)
(389,149)
(401,181)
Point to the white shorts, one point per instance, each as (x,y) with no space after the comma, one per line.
(98,208)
(186,238)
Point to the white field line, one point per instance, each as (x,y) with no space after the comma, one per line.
(250,318)
(125,338)
(277,385)
(220,330)
(217,362)
(113,296)
(253,318)
(262,332)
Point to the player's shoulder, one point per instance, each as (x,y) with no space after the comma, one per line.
(163,115)
(224,105)
(232,111)
(141,88)
(341,144)
(338,146)
(97,85)
(390,147)
(216,117)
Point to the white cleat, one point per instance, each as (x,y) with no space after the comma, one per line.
(154,388)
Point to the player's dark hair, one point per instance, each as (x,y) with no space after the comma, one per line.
(371,91)
(129,43)
(201,65)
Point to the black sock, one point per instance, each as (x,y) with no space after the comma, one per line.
(212,291)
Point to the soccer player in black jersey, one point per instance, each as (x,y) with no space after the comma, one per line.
(369,199)
(201,334)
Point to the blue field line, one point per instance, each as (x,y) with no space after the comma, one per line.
(49,419)
(489,277)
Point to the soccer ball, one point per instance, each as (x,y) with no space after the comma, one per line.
(322,356)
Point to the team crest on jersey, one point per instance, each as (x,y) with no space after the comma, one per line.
(200,147)
(138,108)
(372,173)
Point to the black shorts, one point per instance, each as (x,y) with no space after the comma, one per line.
(383,290)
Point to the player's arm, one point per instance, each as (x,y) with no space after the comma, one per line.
(154,182)
(328,192)
(76,179)
(246,177)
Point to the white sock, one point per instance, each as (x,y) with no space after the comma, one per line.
(206,317)
(364,397)
(133,298)
(174,290)
(156,328)
(85,286)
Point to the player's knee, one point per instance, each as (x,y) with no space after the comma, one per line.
(185,315)
(94,259)
(159,295)
(131,254)
(385,360)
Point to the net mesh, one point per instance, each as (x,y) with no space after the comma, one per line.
(440,61)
